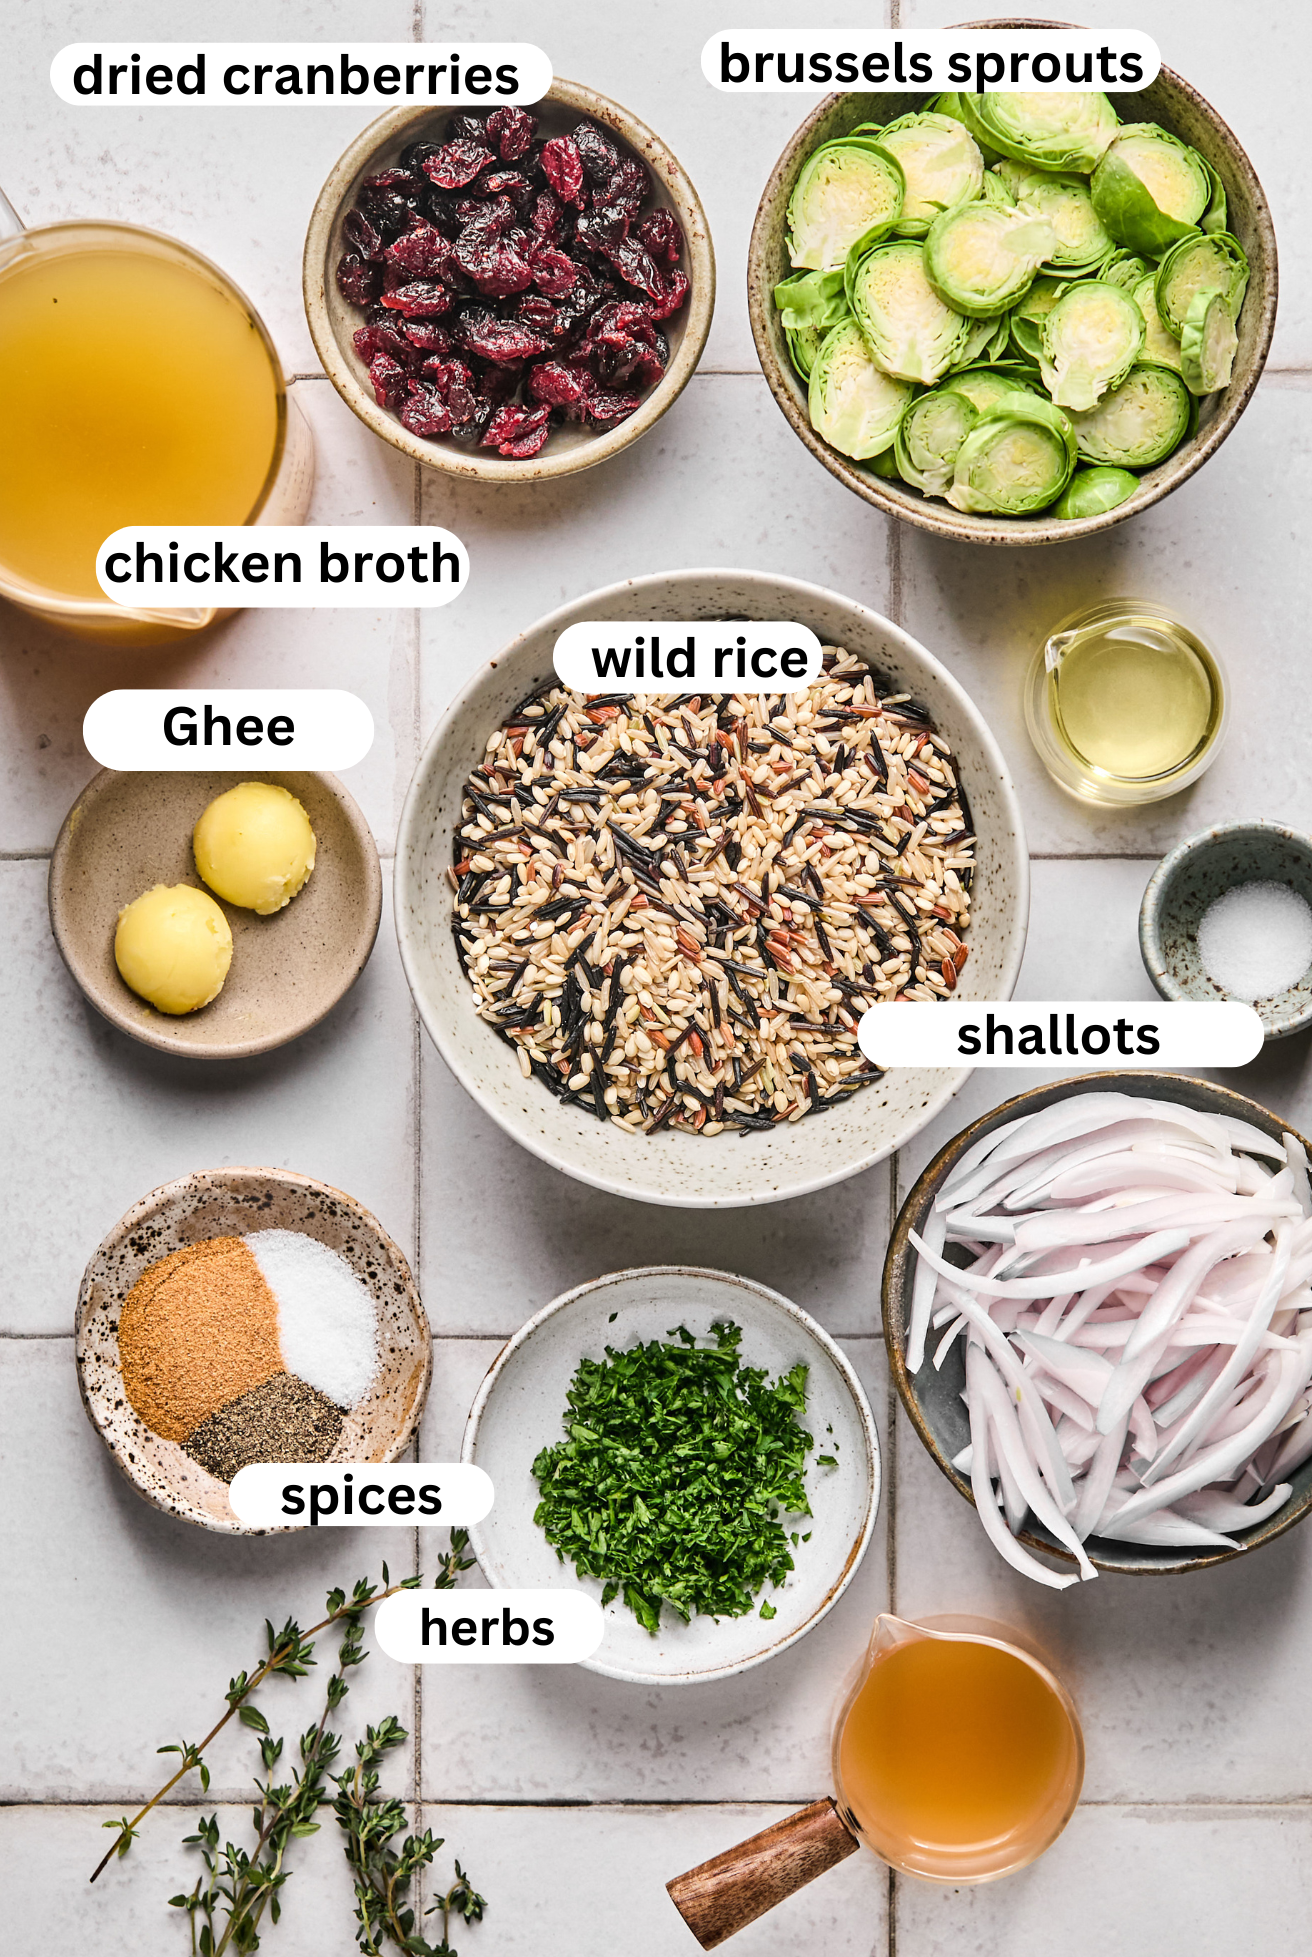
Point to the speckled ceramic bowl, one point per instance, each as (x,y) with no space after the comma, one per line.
(682,1169)
(1170,101)
(1193,876)
(233,1203)
(518,1411)
(126,832)
(933,1398)
(333,320)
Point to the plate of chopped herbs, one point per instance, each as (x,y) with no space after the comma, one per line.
(691,1449)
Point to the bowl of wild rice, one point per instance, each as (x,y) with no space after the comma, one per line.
(642,929)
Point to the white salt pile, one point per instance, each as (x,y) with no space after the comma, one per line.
(1256,940)
(327,1326)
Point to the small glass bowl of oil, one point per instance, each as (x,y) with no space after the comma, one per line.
(1125,703)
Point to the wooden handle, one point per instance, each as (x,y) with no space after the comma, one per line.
(722,1896)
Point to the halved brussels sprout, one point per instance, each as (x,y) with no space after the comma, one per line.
(940,162)
(910,331)
(846,193)
(1159,345)
(1053,129)
(1127,268)
(1209,344)
(929,436)
(1027,318)
(1138,423)
(884,464)
(854,404)
(981,259)
(1200,264)
(1017,458)
(811,299)
(1088,343)
(984,387)
(1064,200)
(804,343)
(982,341)
(1150,188)
(1091,492)
(949,105)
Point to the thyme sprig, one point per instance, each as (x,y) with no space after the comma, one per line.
(383,1875)
(290,1654)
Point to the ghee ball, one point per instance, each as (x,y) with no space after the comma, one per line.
(174,947)
(255,846)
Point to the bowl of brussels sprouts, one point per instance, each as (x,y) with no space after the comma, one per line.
(1013,318)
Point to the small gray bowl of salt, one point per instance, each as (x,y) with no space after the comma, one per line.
(1228,915)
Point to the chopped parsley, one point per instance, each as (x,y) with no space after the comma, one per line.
(677,1466)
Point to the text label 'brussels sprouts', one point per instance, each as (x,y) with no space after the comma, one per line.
(752,60)
(688,656)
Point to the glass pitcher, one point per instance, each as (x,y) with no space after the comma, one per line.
(956,1768)
(282,497)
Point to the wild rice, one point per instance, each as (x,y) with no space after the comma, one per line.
(677,910)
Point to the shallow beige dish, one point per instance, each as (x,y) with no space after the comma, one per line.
(126,832)
(518,1411)
(1170,101)
(333,320)
(233,1203)
(727,1170)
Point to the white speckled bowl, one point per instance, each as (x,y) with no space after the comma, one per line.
(233,1203)
(333,320)
(518,1411)
(1193,876)
(726,1171)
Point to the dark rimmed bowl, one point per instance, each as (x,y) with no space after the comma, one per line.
(933,1401)
(1193,876)
(1170,101)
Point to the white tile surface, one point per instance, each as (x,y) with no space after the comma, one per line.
(1200,1882)
(103,1119)
(590,1881)
(136,1621)
(1192,1691)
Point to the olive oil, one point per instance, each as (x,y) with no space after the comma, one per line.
(1126,703)
(958,1757)
(135,388)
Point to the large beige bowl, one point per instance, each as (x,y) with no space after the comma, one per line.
(333,320)
(727,1170)
(233,1203)
(1178,107)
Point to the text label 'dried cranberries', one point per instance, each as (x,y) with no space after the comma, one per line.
(510,285)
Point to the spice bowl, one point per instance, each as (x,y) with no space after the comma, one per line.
(333,319)
(933,1398)
(1185,883)
(1170,101)
(519,1410)
(235,1202)
(127,832)
(726,1170)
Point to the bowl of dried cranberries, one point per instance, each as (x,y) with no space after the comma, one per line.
(508,295)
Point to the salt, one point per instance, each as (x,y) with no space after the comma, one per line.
(1256,940)
(327,1325)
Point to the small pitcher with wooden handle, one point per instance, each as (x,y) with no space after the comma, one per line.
(957,1757)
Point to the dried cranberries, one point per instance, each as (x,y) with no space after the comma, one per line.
(510,285)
